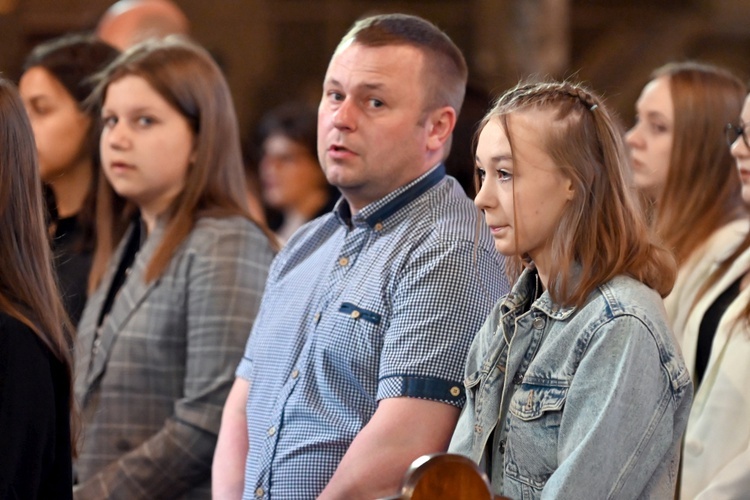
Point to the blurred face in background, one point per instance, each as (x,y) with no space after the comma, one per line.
(651,137)
(60,127)
(289,172)
(741,151)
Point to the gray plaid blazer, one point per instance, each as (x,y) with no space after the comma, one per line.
(152,384)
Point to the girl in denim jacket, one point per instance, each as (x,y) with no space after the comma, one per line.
(575,386)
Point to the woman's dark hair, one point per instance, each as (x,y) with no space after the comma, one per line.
(73,60)
(28,291)
(296,121)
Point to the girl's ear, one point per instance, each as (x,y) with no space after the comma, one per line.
(569,190)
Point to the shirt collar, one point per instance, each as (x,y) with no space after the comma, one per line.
(376,212)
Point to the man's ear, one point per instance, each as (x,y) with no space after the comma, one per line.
(440,124)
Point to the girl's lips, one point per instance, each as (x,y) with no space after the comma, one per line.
(119,166)
(636,163)
(744,174)
(497,229)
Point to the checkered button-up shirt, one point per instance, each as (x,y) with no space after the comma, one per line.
(360,308)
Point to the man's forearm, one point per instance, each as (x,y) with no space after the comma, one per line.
(228,471)
(401,430)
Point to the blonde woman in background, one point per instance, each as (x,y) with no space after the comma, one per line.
(683,169)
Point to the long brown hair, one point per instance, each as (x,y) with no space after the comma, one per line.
(601,233)
(28,291)
(187,78)
(702,190)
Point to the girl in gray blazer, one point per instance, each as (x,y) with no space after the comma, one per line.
(178,273)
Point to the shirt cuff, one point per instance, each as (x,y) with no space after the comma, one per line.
(430,388)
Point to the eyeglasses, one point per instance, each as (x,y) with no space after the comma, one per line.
(733,131)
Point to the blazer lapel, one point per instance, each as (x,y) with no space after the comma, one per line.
(128,299)
(736,270)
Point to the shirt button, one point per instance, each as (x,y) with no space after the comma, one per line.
(271,431)
(538,323)
(295,373)
(316,318)
(378,226)
(97,342)
(455,391)
(343,261)
(355,314)
(259,492)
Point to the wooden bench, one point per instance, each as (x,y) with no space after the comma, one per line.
(445,476)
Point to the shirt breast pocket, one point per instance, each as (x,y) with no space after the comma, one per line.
(533,427)
(356,339)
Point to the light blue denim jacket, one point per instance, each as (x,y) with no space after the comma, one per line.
(586,402)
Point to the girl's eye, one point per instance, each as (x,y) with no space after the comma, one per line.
(481,174)
(109,121)
(144,121)
(658,128)
(504,175)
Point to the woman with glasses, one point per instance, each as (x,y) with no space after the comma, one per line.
(684,171)
(716,457)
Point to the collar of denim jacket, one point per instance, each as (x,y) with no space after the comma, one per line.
(525,290)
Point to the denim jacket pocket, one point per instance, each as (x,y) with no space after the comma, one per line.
(533,426)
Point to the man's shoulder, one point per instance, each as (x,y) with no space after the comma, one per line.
(448,216)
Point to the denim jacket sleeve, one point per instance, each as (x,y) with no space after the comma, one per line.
(605,450)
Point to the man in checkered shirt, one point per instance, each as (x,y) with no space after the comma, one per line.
(354,365)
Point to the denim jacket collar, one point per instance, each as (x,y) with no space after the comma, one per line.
(524,290)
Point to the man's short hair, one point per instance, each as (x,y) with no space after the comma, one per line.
(445,67)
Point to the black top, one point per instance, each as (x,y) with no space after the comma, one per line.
(127,259)
(72,264)
(709,324)
(35,457)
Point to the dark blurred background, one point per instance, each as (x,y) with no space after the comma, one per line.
(277,50)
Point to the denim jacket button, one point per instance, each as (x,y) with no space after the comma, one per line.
(518,378)
(501,447)
(538,323)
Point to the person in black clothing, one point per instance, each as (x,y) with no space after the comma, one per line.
(35,336)
(55,83)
